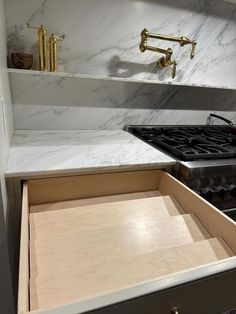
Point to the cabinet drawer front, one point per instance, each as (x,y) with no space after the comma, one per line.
(214,295)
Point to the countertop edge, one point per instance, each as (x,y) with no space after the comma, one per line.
(89,170)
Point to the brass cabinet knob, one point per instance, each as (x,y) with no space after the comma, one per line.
(175,310)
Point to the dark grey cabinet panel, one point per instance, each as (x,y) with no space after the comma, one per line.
(6,292)
(213,295)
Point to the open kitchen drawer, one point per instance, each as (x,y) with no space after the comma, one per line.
(91,241)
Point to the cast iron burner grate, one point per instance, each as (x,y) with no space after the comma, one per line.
(189,143)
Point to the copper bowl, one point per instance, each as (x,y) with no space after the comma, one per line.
(22,60)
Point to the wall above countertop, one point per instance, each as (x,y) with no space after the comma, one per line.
(102,37)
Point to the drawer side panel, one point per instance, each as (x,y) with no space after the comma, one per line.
(213,219)
(23,286)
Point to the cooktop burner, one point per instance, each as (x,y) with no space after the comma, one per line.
(189,142)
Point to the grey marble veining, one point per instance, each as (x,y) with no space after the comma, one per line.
(50,152)
(102,36)
(54,102)
(102,39)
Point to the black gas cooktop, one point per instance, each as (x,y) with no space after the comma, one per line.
(189,142)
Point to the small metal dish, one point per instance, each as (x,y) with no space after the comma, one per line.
(22,60)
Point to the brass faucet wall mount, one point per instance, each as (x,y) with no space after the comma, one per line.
(166,60)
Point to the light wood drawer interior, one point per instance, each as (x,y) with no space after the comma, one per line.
(90,235)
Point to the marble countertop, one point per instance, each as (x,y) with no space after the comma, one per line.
(55,152)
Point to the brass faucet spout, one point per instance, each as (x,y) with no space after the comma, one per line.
(165,61)
(144,46)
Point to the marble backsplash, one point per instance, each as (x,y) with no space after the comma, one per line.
(102,36)
(66,103)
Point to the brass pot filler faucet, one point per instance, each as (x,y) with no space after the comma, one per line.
(166,60)
(43,49)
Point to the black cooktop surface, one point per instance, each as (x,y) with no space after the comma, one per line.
(189,142)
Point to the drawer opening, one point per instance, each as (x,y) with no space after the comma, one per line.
(87,236)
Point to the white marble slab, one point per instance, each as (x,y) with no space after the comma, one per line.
(102,36)
(102,41)
(67,75)
(55,152)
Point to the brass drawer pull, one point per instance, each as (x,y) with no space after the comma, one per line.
(175,311)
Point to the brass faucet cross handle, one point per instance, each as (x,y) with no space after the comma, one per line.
(166,60)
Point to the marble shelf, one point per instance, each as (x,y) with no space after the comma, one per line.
(113,78)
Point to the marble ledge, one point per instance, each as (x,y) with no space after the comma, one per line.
(42,153)
(115,79)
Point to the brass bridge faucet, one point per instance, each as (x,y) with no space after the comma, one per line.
(166,60)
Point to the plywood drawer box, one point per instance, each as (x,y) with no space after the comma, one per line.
(104,242)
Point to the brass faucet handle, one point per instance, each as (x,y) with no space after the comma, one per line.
(62,37)
(35,27)
(144,37)
(54,37)
(174,69)
(145,33)
(175,310)
(165,62)
(186,41)
(193,51)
